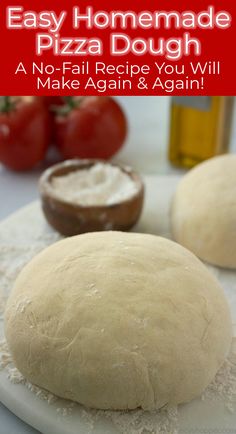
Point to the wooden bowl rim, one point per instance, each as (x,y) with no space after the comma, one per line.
(75,164)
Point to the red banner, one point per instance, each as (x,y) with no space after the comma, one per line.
(124,48)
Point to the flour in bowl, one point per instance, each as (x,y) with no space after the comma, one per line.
(101,184)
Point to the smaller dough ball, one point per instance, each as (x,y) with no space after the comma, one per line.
(203,214)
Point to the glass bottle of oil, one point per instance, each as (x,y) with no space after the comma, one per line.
(199,128)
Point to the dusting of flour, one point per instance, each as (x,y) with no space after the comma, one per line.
(163,421)
(101,184)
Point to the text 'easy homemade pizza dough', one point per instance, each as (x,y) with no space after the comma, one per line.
(118,321)
(203,214)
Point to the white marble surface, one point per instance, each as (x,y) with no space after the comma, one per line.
(145,149)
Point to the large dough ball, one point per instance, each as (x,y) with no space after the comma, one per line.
(118,321)
(203,213)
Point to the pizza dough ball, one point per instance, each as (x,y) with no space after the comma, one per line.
(203,213)
(118,321)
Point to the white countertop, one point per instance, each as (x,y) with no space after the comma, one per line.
(145,150)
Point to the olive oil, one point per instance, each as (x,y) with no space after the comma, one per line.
(199,128)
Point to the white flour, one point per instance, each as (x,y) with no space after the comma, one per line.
(102,184)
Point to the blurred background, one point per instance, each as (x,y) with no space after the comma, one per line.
(165,137)
(145,149)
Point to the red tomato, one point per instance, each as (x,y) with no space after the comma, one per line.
(49,101)
(24,134)
(95,127)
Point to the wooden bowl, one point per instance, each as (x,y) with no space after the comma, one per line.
(72,219)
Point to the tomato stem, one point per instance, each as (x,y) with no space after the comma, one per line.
(69,100)
(71,103)
(6,104)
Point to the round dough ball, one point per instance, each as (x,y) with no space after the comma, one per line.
(203,214)
(118,321)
